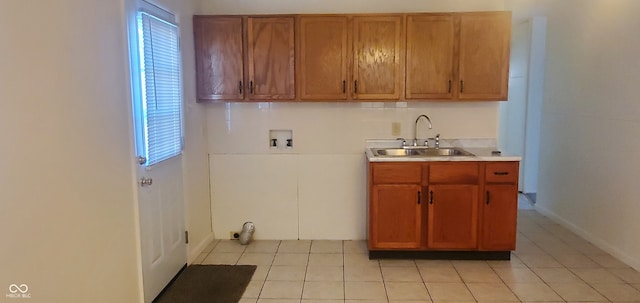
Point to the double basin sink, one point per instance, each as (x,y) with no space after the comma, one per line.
(412,151)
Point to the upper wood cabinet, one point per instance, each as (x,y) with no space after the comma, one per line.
(484,55)
(323,57)
(271,69)
(219,57)
(351,58)
(240,58)
(460,56)
(430,56)
(378,57)
(421,56)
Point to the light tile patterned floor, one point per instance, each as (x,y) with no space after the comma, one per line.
(551,264)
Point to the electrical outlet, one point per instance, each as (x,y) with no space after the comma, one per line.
(234,235)
(395,129)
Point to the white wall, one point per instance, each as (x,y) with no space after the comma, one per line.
(519,127)
(337,6)
(590,122)
(197,202)
(317,190)
(67,211)
(535,92)
(513,114)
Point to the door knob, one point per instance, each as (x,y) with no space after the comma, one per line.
(145,182)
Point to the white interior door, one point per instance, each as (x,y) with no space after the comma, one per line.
(164,250)
(157,111)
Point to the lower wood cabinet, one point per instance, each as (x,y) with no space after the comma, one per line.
(442,206)
(499,207)
(396,216)
(453,217)
(499,213)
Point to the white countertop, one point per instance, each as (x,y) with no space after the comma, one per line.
(481,148)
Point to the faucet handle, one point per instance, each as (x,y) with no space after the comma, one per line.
(437,140)
(404,142)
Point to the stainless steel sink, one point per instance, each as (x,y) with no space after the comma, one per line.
(452,151)
(396,152)
(420,152)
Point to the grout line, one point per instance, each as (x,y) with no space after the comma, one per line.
(530,268)
(507,285)
(384,282)
(344,276)
(550,256)
(545,232)
(422,279)
(306,269)
(465,282)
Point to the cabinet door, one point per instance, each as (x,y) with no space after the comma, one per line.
(219,55)
(452,217)
(430,48)
(270,48)
(499,213)
(395,217)
(378,57)
(484,56)
(322,58)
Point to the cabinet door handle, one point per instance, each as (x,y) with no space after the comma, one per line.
(251,87)
(488,197)
(344,86)
(461,86)
(419,197)
(240,87)
(355,86)
(430,197)
(449,86)
(501,173)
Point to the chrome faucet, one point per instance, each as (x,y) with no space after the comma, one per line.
(415,130)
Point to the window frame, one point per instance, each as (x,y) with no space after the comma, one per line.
(138,102)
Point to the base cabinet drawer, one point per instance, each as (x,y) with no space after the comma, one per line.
(396,173)
(501,172)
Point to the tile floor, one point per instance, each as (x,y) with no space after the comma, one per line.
(551,264)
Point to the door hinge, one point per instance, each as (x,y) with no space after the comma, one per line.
(186,237)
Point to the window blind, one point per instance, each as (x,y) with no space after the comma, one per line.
(161,88)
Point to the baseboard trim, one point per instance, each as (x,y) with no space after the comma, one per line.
(597,241)
(440,255)
(198,249)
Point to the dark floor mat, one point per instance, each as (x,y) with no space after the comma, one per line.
(208,283)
